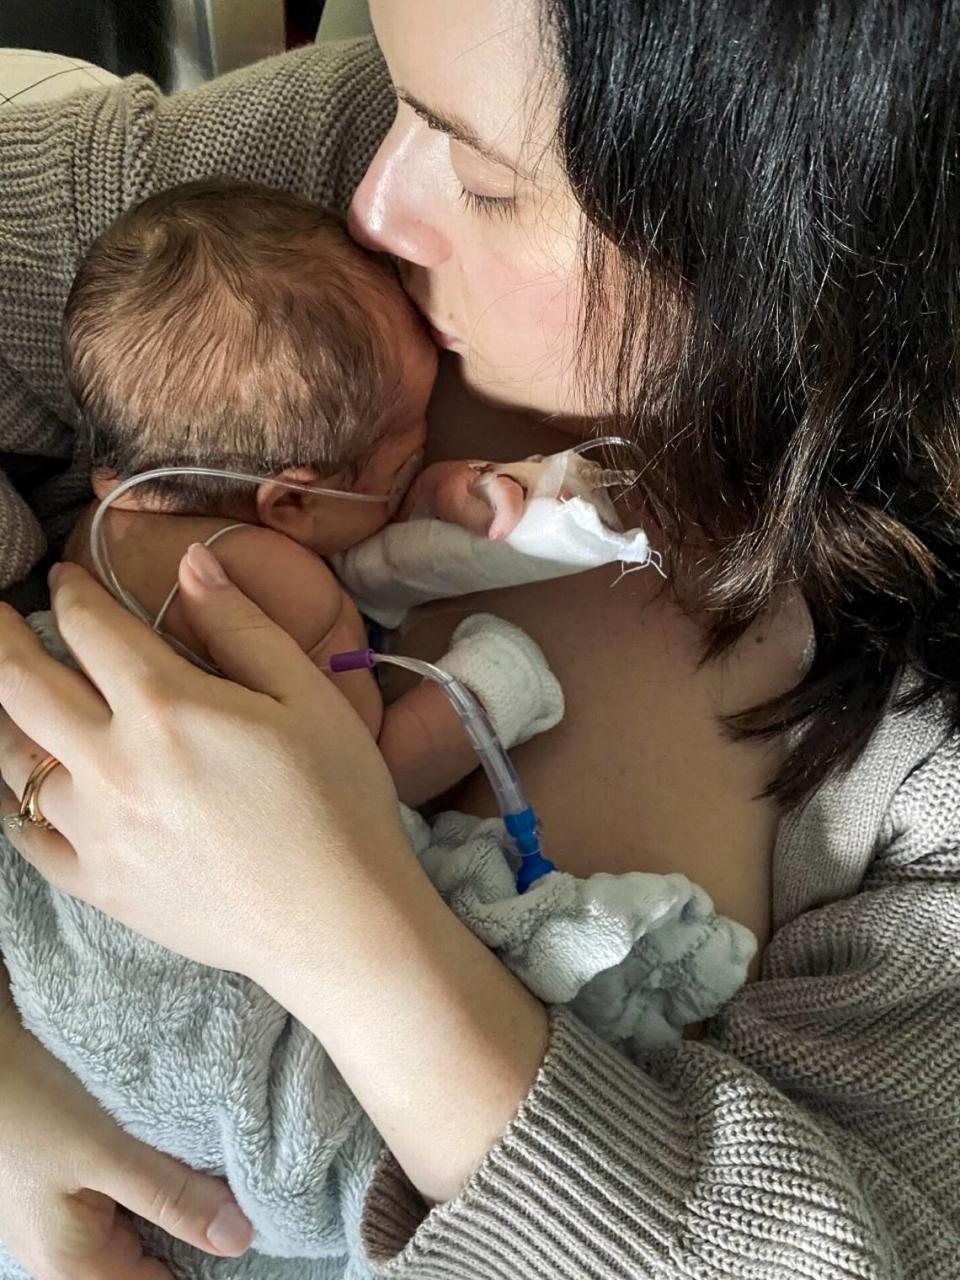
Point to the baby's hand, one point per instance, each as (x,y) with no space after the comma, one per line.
(484,498)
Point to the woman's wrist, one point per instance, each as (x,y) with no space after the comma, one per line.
(310,924)
(438,1041)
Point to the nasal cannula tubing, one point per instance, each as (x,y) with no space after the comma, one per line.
(101,556)
(608,479)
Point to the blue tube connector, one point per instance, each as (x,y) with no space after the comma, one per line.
(518,818)
(524,830)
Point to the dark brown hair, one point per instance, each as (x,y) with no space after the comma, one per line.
(231,326)
(788,171)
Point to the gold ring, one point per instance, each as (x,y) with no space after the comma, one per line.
(29,810)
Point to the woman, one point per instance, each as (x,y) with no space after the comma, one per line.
(776,329)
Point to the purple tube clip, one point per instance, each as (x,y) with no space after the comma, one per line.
(356,660)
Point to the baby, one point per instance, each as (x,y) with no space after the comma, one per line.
(240,328)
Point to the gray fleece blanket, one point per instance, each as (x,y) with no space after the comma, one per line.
(204,1065)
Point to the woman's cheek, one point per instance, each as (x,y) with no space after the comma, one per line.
(525,331)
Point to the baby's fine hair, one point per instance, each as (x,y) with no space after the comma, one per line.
(234,326)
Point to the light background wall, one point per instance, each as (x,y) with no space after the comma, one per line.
(344,19)
(213,36)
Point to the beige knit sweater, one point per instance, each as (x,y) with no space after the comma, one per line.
(816,1131)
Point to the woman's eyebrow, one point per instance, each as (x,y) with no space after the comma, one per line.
(457,129)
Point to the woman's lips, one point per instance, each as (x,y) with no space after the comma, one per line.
(445,340)
(440,337)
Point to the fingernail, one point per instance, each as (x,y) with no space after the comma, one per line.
(53,576)
(230,1232)
(206,566)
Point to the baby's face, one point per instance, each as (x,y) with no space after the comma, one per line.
(327,524)
(397,460)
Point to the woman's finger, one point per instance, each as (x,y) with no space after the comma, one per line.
(40,694)
(103,1245)
(49,851)
(194,1207)
(18,751)
(19,756)
(244,643)
(17,763)
(116,650)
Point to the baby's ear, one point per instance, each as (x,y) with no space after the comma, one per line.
(285,509)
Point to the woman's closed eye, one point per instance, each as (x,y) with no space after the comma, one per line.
(487,206)
(485,188)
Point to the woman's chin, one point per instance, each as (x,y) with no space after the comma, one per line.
(531,397)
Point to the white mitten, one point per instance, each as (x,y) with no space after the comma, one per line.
(506,670)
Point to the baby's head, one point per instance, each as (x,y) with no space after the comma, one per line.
(232,326)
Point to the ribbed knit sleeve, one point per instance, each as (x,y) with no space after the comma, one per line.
(815,1134)
(307,121)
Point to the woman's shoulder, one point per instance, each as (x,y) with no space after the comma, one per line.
(307,121)
(350,74)
(901,794)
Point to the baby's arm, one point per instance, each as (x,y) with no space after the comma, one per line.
(487,498)
(424,745)
(420,735)
(463,528)
(423,741)
(297,590)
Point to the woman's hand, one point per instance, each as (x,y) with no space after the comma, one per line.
(65,1165)
(254,826)
(208,816)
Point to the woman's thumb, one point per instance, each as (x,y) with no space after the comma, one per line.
(244,643)
(194,1207)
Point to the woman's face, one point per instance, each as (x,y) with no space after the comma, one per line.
(467,190)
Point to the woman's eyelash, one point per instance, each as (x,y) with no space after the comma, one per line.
(488,206)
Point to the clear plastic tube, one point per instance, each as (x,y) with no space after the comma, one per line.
(515,809)
(609,478)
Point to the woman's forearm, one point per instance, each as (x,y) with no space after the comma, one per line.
(305,881)
(439,1042)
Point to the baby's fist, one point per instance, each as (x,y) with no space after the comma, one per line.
(474,495)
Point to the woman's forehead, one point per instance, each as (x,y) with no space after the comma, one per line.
(477,67)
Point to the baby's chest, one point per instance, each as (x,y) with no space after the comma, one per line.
(641,774)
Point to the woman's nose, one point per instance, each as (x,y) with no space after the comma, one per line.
(391,211)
